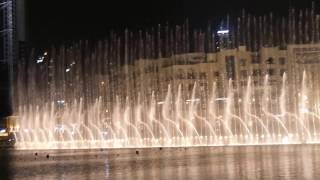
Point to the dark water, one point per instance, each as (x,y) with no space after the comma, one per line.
(260,162)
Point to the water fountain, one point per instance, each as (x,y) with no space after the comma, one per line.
(171,123)
(115,94)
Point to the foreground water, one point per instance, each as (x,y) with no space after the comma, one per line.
(252,162)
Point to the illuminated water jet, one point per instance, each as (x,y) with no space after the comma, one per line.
(171,89)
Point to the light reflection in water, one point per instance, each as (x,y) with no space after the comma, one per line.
(223,163)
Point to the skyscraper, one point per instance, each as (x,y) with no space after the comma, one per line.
(12,38)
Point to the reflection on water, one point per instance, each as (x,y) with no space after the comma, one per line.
(5,167)
(263,162)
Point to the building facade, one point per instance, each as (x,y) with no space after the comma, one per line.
(223,67)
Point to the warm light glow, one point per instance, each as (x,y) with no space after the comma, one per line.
(4,134)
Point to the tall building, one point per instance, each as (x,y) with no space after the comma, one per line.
(13,37)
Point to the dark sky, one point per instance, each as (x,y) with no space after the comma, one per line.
(51,21)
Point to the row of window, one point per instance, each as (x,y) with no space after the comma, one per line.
(259,83)
(257,60)
(258,72)
(202,75)
(243,73)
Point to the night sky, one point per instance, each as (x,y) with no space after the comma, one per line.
(56,21)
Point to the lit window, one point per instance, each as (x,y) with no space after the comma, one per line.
(282,61)
(255,59)
(216,74)
(282,71)
(180,76)
(203,75)
(191,76)
(244,73)
(271,72)
(270,61)
(256,72)
(242,62)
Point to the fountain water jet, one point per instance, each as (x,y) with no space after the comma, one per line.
(175,87)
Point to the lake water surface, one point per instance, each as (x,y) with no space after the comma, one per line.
(201,163)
